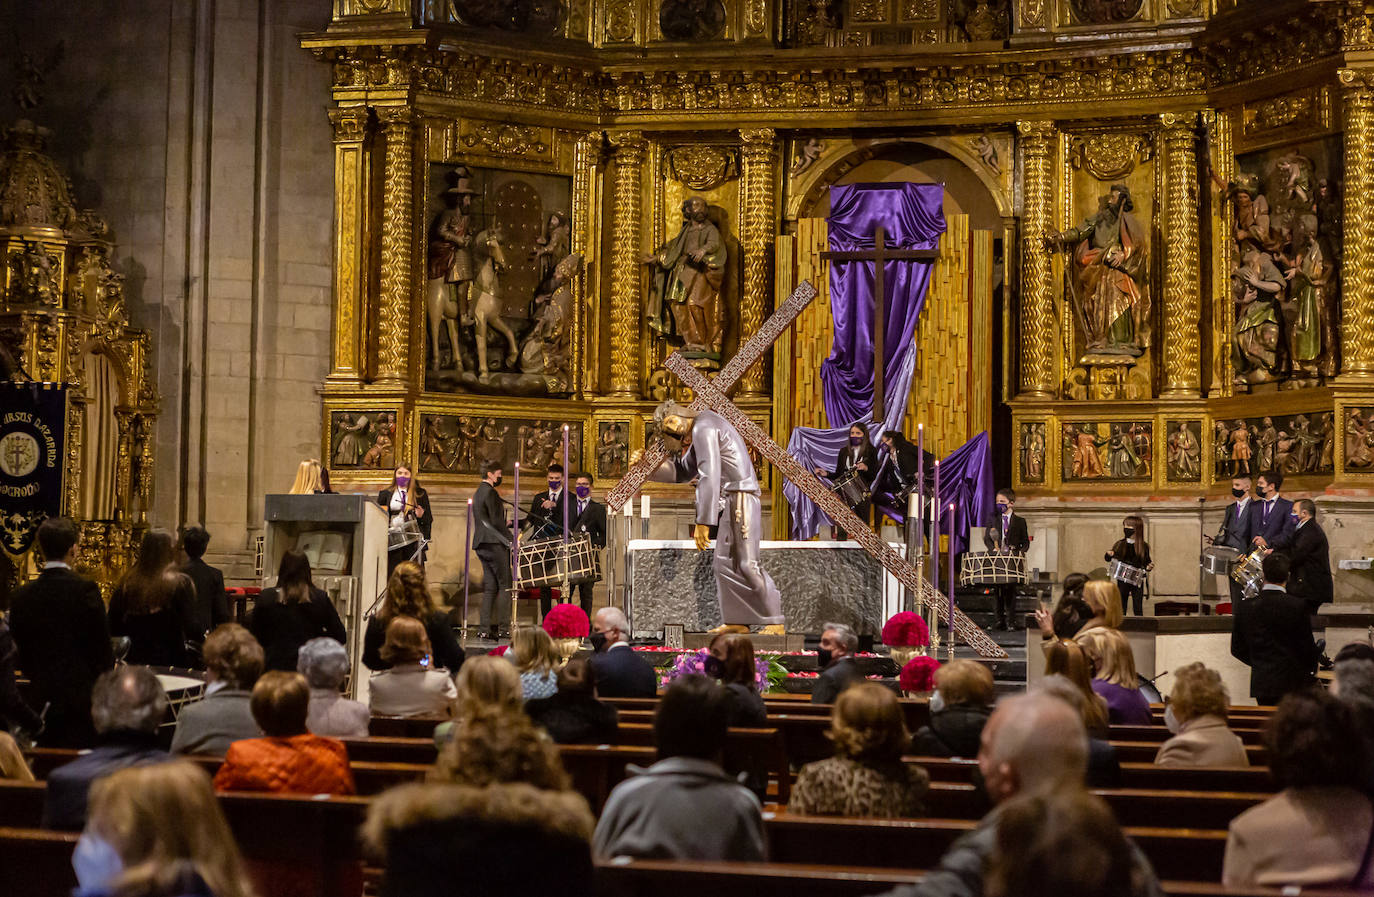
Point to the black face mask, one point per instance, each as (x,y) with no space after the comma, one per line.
(1238,493)
(713,666)
(1128,531)
(598,641)
(856,441)
(498,481)
(823,656)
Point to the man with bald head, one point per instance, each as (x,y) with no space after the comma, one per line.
(1032,744)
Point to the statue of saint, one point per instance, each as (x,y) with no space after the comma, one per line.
(684,302)
(1185,454)
(1258,287)
(1110,260)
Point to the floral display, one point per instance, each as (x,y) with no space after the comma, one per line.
(919,674)
(567,621)
(767,671)
(906,630)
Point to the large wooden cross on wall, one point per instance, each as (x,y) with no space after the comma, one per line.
(879,256)
(711,394)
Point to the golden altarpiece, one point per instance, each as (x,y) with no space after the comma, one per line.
(1172,278)
(63,319)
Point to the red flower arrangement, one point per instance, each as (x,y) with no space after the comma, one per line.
(499,651)
(906,630)
(567,621)
(919,674)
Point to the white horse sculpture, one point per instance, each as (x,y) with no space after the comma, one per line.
(483,304)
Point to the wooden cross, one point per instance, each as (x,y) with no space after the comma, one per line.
(879,256)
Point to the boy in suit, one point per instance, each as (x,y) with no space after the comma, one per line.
(1006,532)
(212,602)
(1271,521)
(589,516)
(491,541)
(1235,528)
(1272,633)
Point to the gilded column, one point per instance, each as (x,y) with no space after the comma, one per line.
(1037,287)
(585,158)
(1357,274)
(1181,297)
(626,279)
(758,185)
(394,302)
(350,129)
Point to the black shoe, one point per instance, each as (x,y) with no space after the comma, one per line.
(1003,626)
(490,634)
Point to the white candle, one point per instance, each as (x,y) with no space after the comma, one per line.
(629,508)
(644,506)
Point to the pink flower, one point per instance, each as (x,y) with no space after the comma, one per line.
(567,621)
(498,651)
(906,630)
(919,674)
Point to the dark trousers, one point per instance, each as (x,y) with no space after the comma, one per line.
(1131,595)
(1237,596)
(1006,604)
(495,585)
(584,598)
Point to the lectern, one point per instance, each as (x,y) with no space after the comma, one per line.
(345,538)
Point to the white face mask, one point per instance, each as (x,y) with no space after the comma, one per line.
(937,701)
(1170,721)
(96,863)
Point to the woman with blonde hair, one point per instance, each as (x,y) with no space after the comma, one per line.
(959,709)
(308,479)
(158,831)
(488,681)
(1196,714)
(1114,677)
(498,746)
(409,686)
(1104,599)
(536,659)
(1068,659)
(153,605)
(407,595)
(866,777)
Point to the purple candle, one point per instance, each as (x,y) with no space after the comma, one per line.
(953,528)
(467,556)
(567,472)
(920,485)
(935,532)
(515,535)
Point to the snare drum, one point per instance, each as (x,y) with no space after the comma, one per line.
(1217,559)
(850,488)
(992,568)
(543,562)
(1132,576)
(1249,573)
(402,532)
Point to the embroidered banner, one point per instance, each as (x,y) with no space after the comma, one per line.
(33,427)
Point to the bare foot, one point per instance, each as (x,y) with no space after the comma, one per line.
(773,629)
(731,628)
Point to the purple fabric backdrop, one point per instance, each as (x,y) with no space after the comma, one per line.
(965,481)
(913,217)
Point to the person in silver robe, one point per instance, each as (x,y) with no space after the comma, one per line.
(705,447)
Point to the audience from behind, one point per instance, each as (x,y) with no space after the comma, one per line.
(573,715)
(1059,845)
(536,659)
(211,605)
(1070,613)
(409,687)
(1196,714)
(1317,830)
(500,839)
(684,806)
(1033,746)
(59,625)
(287,758)
(495,747)
(835,661)
(158,831)
(866,777)
(153,605)
(619,672)
(292,613)
(959,708)
(1115,679)
(485,683)
(731,660)
(324,664)
(1353,681)
(233,663)
(15,712)
(1355,651)
(1104,600)
(1103,769)
(1273,635)
(407,595)
(1068,659)
(308,480)
(12,765)
(127,706)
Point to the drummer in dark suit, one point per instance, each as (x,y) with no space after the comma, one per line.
(406,500)
(1309,559)
(1271,520)
(1007,531)
(589,516)
(546,521)
(860,455)
(1235,529)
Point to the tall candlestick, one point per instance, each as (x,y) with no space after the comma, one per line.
(921,482)
(515,537)
(935,532)
(644,506)
(567,472)
(629,509)
(467,557)
(953,528)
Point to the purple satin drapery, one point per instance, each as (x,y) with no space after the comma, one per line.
(913,217)
(966,482)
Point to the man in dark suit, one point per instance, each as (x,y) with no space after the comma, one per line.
(1272,633)
(1007,531)
(835,660)
(858,454)
(1271,521)
(491,541)
(619,672)
(211,607)
(589,516)
(546,522)
(1308,558)
(1235,528)
(63,636)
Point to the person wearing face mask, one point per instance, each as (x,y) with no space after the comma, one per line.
(406,500)
(1006,532)
(588,516)
(1271,517)
(1235,528)
(619,672)
(731,660)
(857,454)
(1133,551)
(904,460)
(491,541)
(545,521)
(959,709)
(1309,559)
(1196,715)
(836,663)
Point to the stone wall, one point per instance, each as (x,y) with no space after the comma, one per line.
(198,130)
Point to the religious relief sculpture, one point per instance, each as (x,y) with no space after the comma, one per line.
(528,17)
(1032,452)
(1359,439)
(1108,282)
(363,440)
(1105,12)
(1294,444)
(547,350)
(1112,451)
(685,303)
(1185,451)
(449,268)
(698,20)
(34,275)
(458,443)
(807,154)
(612,449)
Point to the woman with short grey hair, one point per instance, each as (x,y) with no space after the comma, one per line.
(324,664)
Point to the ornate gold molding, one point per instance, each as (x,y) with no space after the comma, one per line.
(1357,274)
(586,159)
(1218,126)
(758,210)
(349,123)
(398,190)
(506,139)
(350,177)
(1181,299)
(1110,157)
(626,278)
(1037,140)
(702,166)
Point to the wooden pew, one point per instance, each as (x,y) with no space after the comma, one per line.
(36,863)
(597,768)
(1134,775)
(1145,751)
(21,804)
(299,846)
(405,727)
(1132,806)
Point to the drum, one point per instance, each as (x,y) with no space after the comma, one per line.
(402,532)
(1249,572)
(992,568)
(543,562)
(1134,576)
(1217,559)
(851,488)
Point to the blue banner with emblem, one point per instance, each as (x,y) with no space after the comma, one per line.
(33,428)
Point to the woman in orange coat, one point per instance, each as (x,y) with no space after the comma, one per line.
(287,759)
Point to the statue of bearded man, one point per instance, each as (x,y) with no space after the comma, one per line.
(688,272)
(1110,260)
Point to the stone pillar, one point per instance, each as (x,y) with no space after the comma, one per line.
(585,159)
(1357,274)
(394,301)
(1181,297)
(758,208)
(350,213)
(626,274)
(1037,287)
